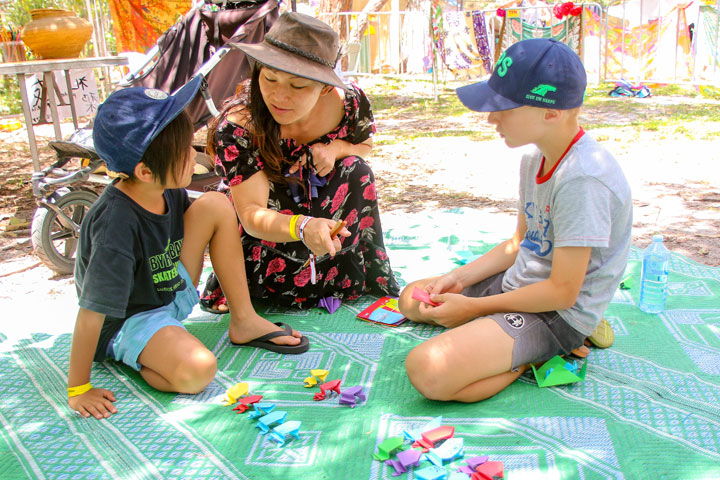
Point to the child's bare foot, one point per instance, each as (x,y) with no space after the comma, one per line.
(245,328)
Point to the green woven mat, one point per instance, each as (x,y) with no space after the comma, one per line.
(647,409)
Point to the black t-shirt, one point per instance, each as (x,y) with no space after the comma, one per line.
(127,259)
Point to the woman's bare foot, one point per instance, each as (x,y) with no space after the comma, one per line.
(248,327)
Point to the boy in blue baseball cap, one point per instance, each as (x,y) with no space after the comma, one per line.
(544,290)
(141,252)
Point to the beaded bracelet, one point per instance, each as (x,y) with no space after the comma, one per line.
(293,221)
(79,390)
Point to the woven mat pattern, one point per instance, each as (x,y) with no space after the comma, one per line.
(647,409)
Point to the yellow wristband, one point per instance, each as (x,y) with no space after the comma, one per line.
(79,390)
(293,221)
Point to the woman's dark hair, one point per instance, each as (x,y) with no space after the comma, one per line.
(258,120)
(167,153)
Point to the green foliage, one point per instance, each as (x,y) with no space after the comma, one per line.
(17,13)
(9,96)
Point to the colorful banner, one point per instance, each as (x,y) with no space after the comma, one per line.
(707,55)
(461,39)
(656,50)
(568,31)
(138,23)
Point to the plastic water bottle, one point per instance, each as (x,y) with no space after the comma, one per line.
(654,278)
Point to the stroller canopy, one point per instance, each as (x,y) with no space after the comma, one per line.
(188,44)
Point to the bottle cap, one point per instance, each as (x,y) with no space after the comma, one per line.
(657,238)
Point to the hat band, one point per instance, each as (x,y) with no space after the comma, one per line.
(297,51)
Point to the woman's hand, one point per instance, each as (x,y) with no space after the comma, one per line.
(324,156)
(298,165)
(317,236)
(96,402)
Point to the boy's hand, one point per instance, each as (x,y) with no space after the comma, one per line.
(453,311)
(96,402)
(444,284)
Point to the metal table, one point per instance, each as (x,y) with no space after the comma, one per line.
(47,67)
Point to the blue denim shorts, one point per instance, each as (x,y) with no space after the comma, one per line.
(538,336)
(127,344)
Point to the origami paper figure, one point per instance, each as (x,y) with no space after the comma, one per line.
(558,371)
(331,303)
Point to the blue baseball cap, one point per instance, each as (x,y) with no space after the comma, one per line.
(539,72)
(129,120)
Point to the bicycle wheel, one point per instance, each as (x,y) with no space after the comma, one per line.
(55,237)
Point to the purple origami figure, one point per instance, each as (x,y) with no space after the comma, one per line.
(409,458)
(399,469)
(351,395)
(475,462)
(331,303)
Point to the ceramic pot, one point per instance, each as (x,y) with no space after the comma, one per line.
(56,33)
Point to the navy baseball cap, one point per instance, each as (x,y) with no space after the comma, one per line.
(129,120)
(539,72)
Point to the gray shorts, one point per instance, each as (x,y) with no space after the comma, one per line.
(538,336)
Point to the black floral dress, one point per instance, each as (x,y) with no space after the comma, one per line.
(275,270)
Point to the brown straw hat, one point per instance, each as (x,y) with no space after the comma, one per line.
(300,45)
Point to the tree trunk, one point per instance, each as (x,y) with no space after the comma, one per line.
(362,21)
(329,10)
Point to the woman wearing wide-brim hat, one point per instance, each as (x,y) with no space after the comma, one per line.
(290,148)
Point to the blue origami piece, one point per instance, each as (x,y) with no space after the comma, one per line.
(431,473)
(331,303)
(267,421)
(451,449)
(416,434)
(261,409)
(312,179)
(281,433)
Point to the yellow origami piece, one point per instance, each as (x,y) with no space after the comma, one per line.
(321,375)
(235,392)
(310,382)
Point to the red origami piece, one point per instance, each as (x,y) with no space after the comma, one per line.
(488,471)
(431,437)
(245,402)
(333,386)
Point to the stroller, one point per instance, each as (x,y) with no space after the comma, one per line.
(196,45)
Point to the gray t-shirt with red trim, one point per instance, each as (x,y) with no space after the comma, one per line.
(586,202)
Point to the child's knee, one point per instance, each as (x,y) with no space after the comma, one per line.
(406,304)
(196,373)
(212,201)
(424,373)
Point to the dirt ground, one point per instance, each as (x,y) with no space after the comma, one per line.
(674,178)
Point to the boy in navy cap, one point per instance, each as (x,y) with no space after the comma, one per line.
(543,291)
(141,252)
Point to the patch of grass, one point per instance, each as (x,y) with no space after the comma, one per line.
(668,117)
(10,97)
(710,136)
(388,104)
(398,135)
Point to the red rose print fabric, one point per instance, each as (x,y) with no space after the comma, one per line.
(275,269)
